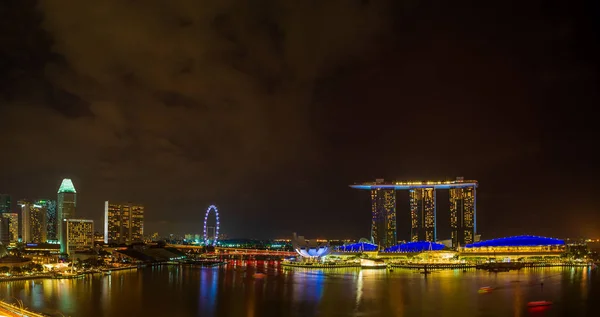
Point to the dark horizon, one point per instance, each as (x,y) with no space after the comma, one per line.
(269,117)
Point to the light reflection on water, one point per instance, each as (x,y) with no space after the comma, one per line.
(234,291)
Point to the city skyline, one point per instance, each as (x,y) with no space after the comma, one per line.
(273,119)
(422,200)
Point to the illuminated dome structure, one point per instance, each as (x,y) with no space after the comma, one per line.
(517,241)
(358,247)
(418,246)
(310,249)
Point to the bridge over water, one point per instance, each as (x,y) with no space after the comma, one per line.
(232,252)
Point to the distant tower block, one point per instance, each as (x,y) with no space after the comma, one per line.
(422,214)
(462,215)
(383,212)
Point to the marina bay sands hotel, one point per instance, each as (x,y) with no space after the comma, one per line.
(422,210)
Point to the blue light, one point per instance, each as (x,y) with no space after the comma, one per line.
(517,241)
(418,246)
(358,247)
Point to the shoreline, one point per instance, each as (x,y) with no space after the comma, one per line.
(51,276)
(320,266)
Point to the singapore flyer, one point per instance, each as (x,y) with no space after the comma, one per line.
(207,238)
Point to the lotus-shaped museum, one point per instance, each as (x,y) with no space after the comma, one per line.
(310,249)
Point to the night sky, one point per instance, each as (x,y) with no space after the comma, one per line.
(269,109)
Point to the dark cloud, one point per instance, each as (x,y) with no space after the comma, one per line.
(269,108)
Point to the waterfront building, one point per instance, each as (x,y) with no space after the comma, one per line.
(310,249)
(462,215)
(123,222)
(463,210)
(383,217)
(12,220)
(5,203)
(419,246)
(422,214)
(79,234)
(514,248)
(358,247)
(66,206)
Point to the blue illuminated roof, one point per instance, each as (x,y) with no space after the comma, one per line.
(418,246)
(358,247)
(516,241)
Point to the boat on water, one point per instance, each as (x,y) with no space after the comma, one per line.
(539,303)
(259,275)
(485,289)
(372,264)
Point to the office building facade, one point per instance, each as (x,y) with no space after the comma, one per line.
(79,234)
(123,222)
(66,206)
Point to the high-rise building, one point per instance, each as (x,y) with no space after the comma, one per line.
(51,219)
(462,215)
(66,204)
(12,219)
(26,206)
(383,213)
(4,231)
(422,214)
(37,222)
(5,204)
(123,222)
(78,233)
(423,209)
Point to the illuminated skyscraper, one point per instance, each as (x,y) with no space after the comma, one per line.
(4,231)
(123,222)
(137,223)
(79,234)
(12,220)
(37,223)
(26,206)
(422,214)
(51,219)
(423,209)
(5,208)
(383,212)
(5,204)
(462,215)
(66,204)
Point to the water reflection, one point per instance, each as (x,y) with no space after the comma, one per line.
(235,291)
(208,291)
